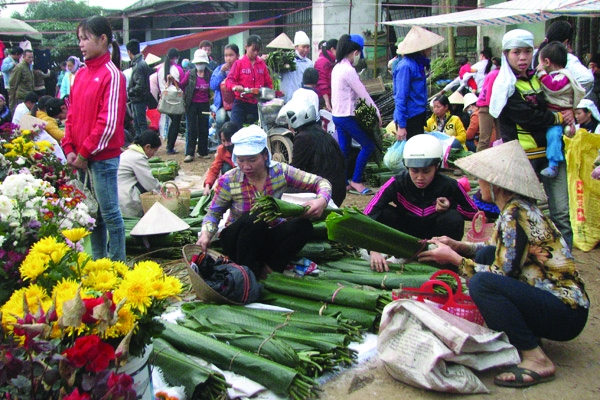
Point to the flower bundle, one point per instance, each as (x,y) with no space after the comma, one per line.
(70,296)
(22,152)
(30,209)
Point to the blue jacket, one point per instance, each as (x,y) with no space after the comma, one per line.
(8,66)
(410,90)
(292,80)
(215,82)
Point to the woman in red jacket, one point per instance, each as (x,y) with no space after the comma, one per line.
(94,131)
(250,71)
(324,65)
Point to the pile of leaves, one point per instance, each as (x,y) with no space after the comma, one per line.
(280,61)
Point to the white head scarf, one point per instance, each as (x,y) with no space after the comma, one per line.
(591,107)
(504,85)
(250,141)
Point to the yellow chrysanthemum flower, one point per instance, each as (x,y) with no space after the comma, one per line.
(13,308)
(120,268)
(60,251)
(44,146)
(125,322)
(167,287)
(151,269)
(46,245)
(33,265)
(64,290)
(138,292)
(75,234)
(101,281)
(102,264)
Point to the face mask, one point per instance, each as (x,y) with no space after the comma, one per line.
(356,59)
(229,148)
(200,67)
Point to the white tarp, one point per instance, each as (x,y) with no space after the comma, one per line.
(507,13)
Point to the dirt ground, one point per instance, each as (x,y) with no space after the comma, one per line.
(578,361)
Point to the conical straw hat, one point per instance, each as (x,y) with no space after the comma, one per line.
(506,166)
(29,122)
(158,220)
(152,59)
(418,39)
(456,98)
(282,41)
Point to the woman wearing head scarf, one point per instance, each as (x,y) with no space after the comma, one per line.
(518,103)
(261,246)
(587,116)
(73,65)
(410,86)
(525,283)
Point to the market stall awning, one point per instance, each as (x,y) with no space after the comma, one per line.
(192,40)
(508,13)
(15,29)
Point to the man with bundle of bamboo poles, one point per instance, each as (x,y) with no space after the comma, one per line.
(425,202)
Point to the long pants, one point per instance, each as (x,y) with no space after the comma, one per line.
(449,223)
(524,312)
(554,152)
(108,236)
(173,131)
(197,129)
(348,129)
(415,125)
(558,198)
(253,243)
(241,110)
(140,123)
(486,128)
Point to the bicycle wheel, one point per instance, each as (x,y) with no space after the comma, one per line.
(281,148)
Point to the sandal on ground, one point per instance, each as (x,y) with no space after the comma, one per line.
(519,382)
(364,192)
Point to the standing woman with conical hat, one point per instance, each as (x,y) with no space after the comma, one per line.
(525,283)
(410,81)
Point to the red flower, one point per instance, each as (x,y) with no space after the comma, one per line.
(76,396)
(91,303)
(91,352)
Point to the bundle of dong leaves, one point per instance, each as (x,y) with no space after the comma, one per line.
(284,351)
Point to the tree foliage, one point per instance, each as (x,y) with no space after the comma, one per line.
(57,22)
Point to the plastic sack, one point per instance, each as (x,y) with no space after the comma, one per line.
(393,156)
(584,191)
(429,348)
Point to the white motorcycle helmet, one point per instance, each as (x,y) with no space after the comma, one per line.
(301,117)
(422,151)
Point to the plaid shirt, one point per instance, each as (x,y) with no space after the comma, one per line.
(236,193)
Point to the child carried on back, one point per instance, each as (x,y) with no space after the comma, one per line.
(562,92)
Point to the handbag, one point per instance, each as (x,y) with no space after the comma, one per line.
(174,199)
(86,188)
(171,100)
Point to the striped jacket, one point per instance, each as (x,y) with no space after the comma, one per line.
(94,126)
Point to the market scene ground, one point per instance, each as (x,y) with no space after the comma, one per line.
(578,361)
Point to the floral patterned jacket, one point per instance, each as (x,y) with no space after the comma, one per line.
(530,248)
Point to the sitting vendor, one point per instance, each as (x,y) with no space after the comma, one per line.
(49,110)
(134,176)
(261,246)
(425,202)
(223,161)
(443,121)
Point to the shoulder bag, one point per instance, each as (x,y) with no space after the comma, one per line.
(171,100)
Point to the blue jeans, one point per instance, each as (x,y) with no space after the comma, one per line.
(221,117)
(348,129)
(524,312)
(140,123)
(108,236)
(241,110)
(554,152)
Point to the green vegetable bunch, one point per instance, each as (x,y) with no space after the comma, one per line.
(280,61)
(368,120)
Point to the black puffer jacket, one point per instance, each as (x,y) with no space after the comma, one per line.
(139,86)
